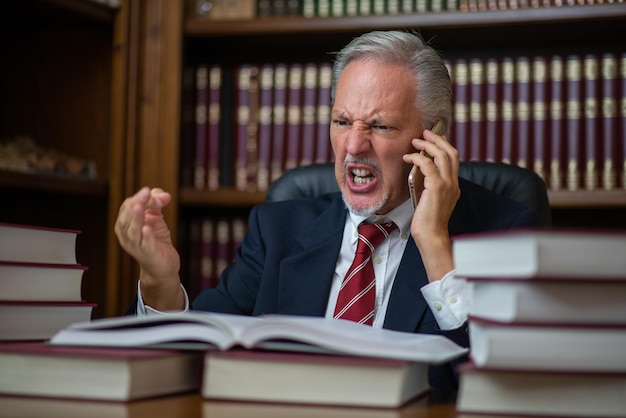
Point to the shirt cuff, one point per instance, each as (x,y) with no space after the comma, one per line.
(144,310)
(449,300)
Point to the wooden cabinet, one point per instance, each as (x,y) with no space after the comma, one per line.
(56,82)
(297,39)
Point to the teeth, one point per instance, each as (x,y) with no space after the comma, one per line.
(362,176)
(361,172)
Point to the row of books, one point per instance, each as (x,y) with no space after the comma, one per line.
(547,323)
(250,9)
(212,242)
(40,282)
(244,126)
(560,115)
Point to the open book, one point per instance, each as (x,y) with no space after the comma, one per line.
(291,333)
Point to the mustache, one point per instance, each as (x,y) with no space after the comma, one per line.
(364,161)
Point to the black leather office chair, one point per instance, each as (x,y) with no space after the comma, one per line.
(515,182)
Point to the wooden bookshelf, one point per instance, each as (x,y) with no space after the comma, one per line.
(56,82)
(167,40)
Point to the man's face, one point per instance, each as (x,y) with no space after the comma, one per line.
(373,120)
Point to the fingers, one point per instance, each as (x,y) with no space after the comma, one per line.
(132,226)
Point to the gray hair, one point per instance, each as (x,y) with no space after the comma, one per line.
(434,92)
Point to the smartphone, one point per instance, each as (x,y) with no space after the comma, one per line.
(415,176)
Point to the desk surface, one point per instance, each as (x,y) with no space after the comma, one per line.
(192,406)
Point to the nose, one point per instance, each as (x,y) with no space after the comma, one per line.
(359,136)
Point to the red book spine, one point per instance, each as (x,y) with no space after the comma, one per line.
(476,110)
(573,115)
(522,108)
(242,120)
(279,119)
(592,137)
(207,256)
(308,114)
(540,116)
(609,120)
(213,131)
(508,110)
(294,115)
(266,93)
(492,110)
(622,157)
(202,85)
(323,152)
(222,250)
(557,137)
(461,108)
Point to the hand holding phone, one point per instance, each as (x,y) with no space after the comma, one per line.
(415,175)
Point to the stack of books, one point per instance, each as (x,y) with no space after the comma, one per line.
(276,359)
(40,282)
(547,323)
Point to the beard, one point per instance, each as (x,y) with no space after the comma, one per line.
(367,210)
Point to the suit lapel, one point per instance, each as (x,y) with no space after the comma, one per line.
(306,276)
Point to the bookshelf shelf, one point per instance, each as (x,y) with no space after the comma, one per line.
(562,199)
(53,184)
(220,198)
(196,27)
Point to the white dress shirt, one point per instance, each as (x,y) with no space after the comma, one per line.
(447,298)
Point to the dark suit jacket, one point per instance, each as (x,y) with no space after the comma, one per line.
(287,260)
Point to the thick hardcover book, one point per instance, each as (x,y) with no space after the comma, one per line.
(543,393)
(294,115)
(213,127)
(309,109)
(30,320)
(509,137)
(207,257)
(279,120)
(556,253)
(592,132)
(243,76)
(557,117)
(323,152)
(492,110)
(609,121)
(622,117)
(266,97)
(539,77)
(40,282)
(261,376)
(163,406)
(223,247)
(522,111)
(41,370)
(228,128)
(461,107)
(547,345)
(476,110)
(278,332)
(201,116)
(574,76)
(537,300)
(36,244)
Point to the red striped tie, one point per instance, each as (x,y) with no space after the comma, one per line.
(358,289)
